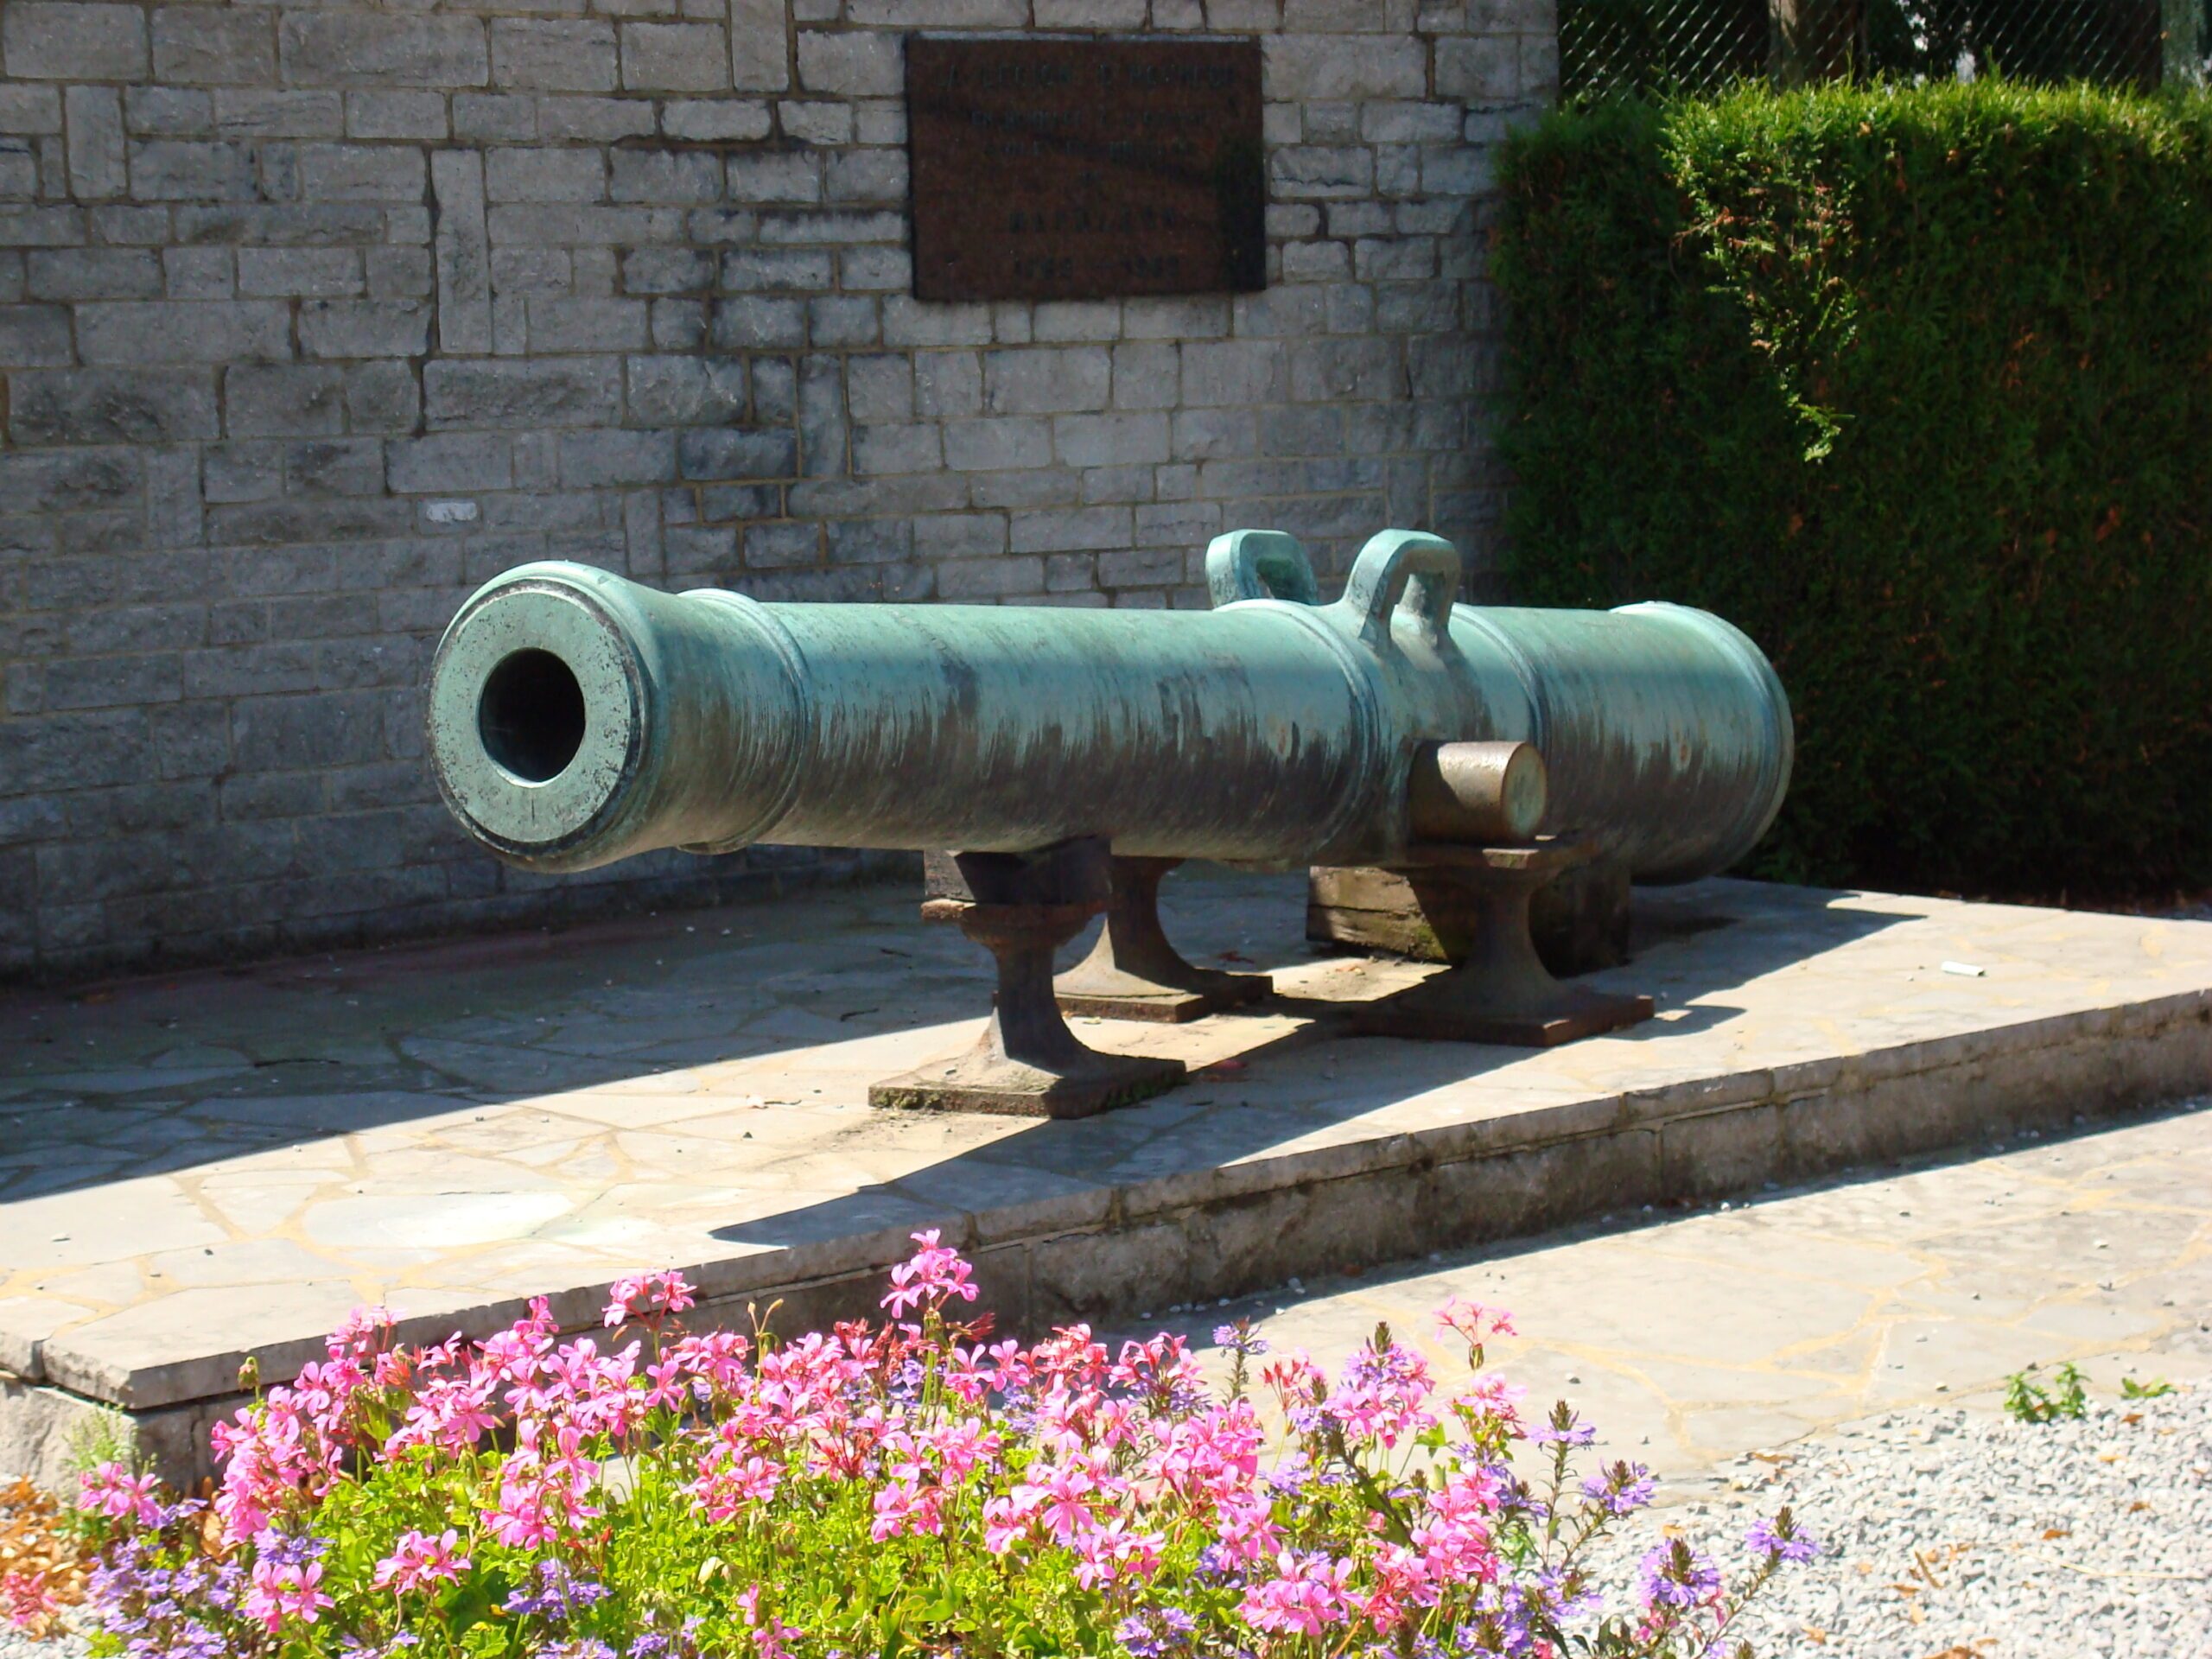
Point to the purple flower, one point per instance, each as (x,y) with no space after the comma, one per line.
(1289,1477)
(1782,1539)
(1620,1488)
(1186,1399)
(561,1596)
(1675,1576)
(1156,1632)
(282,1549)
(904,1384)
(1217,1563)
(1240,1339)
(1564,1427)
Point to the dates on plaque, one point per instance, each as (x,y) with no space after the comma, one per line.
(1051,170)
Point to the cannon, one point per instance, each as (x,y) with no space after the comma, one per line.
(576,718)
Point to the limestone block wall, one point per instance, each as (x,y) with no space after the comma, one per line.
(313,316)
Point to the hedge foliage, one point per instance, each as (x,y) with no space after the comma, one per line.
(1911,385)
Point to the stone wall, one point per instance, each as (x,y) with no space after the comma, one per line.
(312,318)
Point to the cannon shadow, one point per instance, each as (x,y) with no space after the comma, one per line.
(177,1073)
(1693,946)
(164,1073)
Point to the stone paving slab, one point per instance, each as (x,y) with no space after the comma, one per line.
(1692,1340)
(198,1169)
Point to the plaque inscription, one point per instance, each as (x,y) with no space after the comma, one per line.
(1052,169)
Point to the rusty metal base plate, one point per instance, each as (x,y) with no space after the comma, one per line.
(1452,1017)
(980,1082)
(1163,1004)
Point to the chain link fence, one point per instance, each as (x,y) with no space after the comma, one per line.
(1655,48)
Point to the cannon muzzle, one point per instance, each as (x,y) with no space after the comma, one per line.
(576,718)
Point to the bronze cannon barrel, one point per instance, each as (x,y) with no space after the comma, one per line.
(576,718)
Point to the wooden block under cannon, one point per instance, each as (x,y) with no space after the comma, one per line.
(1578,920)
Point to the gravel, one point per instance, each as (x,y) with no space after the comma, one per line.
(16,1645)
(1950,1535)
(1955,1535)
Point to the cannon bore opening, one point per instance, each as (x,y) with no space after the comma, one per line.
(531,715)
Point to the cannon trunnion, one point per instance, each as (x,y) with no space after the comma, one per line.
(577,718)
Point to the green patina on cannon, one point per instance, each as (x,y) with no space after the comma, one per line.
(577,718)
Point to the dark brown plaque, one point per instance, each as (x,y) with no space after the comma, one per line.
(1052,169)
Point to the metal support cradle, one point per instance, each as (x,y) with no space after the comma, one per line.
(1134,973)
(1500,991)
(1021,907)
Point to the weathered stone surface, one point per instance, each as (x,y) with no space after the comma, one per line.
(366,49)
(323,272)
(214,45)
(364,329)
(175,169)
(686,390)
(99,153)
(573,391)
(73,39)
(760,52)
(112,406)
(554,55)
(285,400)
(93,273)
(361,173)
(675,57)
(463,252)
(167,331)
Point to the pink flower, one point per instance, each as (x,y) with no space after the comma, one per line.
(1310,1596)
(1112,1551)
(934,1274)
(963,1448)
(27,1600)
(418,1561)
(1380,1394)
(365,1335)
(522,1520)
(1492,1399)
(1111,1467)
(1474,1323)
(117,1493)
(732,1482)
(512,1355)
(1005,1524)
(902,1507)
(1215,1454)
(1295,1380)
(1070,1355)
(648,1296)
(452,1413)
(281,1589)
(1056,1495)
(1246,1524)
(770,1635)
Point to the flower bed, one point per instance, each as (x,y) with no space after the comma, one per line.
(907,1488)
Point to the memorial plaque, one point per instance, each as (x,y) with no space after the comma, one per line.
(1052,169)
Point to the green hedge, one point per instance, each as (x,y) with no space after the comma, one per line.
(1914,385)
